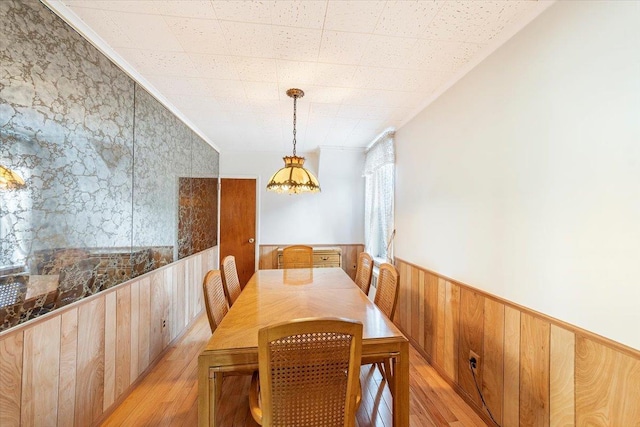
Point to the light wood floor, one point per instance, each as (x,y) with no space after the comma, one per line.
(167,396)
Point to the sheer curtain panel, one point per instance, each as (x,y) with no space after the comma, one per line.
(379,173)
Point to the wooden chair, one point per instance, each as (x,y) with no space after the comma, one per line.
(297,256)
(217,307)
(214,299)
(364,272)
(309,373)
(387,290)
(386,299)
(230,279)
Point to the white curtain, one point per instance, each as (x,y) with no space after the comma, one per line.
(379,173)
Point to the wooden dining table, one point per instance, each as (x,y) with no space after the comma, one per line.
(274,296)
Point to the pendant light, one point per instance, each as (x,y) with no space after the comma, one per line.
(293,178)
(10,180)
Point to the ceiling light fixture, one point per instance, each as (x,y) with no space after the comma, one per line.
(10,180)
(293,178)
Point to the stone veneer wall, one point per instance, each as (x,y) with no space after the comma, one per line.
(102,160)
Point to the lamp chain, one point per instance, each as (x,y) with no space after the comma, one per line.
(295,99)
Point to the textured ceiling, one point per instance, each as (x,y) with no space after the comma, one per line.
(365,66)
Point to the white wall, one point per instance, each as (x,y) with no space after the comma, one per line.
(333,216)
(524,178)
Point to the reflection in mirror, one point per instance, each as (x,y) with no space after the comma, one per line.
(198,219)
(298,276)
(101,162)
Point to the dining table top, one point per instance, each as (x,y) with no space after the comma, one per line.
(274,296)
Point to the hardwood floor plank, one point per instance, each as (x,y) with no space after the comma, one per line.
(168,395)
(139,408)
(441,394)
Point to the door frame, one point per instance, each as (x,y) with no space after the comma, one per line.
(256,254)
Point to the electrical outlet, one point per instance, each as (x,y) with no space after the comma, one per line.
(474,355)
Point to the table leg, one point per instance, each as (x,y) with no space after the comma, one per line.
(215,388)
(389,373)
(217,391)
(208,394)
(204,399)
(401,387)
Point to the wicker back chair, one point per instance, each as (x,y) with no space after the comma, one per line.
(387,290)
(217,307)
(297,256)
(230,279)
(386,299)
(214,300)
(364,272)
(309,373)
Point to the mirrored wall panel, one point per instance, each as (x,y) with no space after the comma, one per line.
(99,182)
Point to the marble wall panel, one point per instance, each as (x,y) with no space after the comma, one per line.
(199,207)
(205,160)
(163,146)
(66,123)
(198,224)
(102,161)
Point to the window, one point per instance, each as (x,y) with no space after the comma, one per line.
(379,173)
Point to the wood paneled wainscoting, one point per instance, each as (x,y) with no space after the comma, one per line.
(74,365)
(533,370)
(269,256)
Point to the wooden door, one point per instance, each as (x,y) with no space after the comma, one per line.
(238,224)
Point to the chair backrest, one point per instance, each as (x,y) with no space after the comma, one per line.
(214,300)
(364,272)
(13,289)
(309,372)
(230,279)
(387,290)
(297,256)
